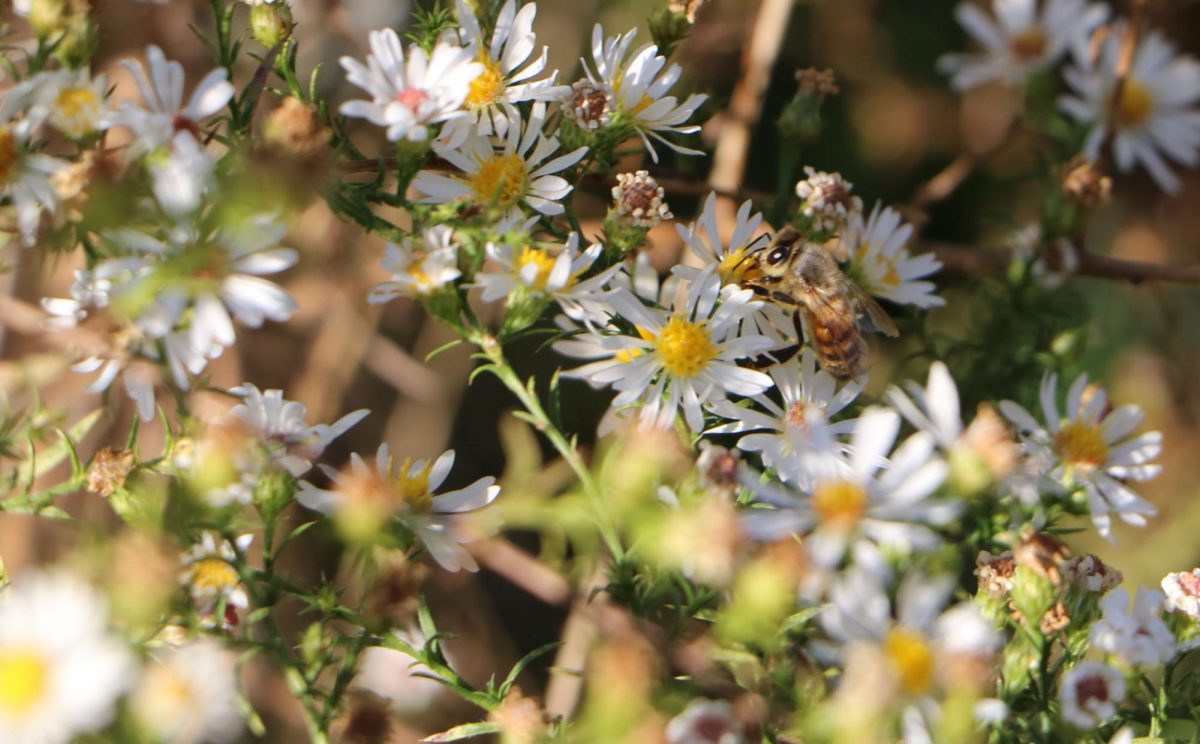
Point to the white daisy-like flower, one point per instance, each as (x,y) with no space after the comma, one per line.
(639,83)
(707,721)
(1090,447)
(282,426)
(181,174)
(880,263)
(1182,590)
(549,272)
(1134,632)
(188,694)
(366,496)
(210,577)
(1158,117)
(71,101)
(25,178)
(681,358)
(510,66)
(510,174)
(1090,694)
(872,501)
(1021,40)
(419,266)
(61,670)
(809,398)
(410,94)
(827,199)
(163,112)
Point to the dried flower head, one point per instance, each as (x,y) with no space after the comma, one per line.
(638,200)
(995,573)
(817,82)
(368,721)
(1056,618)
(590,105)
(392,598)
(1042,554)
(1086,184)
(295,128)
(687,7)
(108,471)
(1091,574)
(992,441)
(520,718)
(828,200)
(718,466)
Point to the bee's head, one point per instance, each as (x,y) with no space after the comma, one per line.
(777,256)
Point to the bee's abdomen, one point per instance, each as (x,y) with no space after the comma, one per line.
(836,339)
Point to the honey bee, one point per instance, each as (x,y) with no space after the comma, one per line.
(801,274)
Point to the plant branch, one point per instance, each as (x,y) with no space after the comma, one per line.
(1128,51)
(973,260)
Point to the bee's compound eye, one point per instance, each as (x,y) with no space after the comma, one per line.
(779,255)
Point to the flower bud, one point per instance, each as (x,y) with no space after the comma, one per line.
(800,121)
(271,23)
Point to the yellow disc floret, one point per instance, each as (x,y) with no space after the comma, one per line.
(912,658)
(840,504)
(542,260)
(1137,104)
(738,267)
(1081,444)
(1029,45)
(412,488)
(685,348)
(24,679)
(500,179)
(76,111)
(488,86)
(214,575)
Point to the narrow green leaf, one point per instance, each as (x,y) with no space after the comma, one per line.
(465,731)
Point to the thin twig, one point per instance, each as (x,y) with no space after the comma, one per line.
(975,261)
(1125,59)
(946,181)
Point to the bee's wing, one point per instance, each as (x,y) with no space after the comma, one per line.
(831,323)
(876,314)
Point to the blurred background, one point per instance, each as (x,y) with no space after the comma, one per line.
(894,124)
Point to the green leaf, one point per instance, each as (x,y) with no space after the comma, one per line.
(525,661)
(39,464)
(465,731)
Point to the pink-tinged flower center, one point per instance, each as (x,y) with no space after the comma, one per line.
(412,98)
(796,416)
(183,124)
(1091,688)
(1190,584)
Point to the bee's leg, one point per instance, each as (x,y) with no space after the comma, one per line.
(775,356)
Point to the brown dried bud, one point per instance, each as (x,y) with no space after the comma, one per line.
(392,598)
(687,7)
(1086,185)
(815,82)
(638,200)
(1056,619)
(718,466)
(992,441)
(74,184)
(295,128)
(590,105)
(1091,574)
(108,471)
(1044,555)
(369,720)
(995,573)
(520,718)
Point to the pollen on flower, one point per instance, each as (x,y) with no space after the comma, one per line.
(1137,104)
(1083,444)
(486,88)
(76,111)
(840,503)
(500,179)
(9,155)
(912,658)
(737,267)
(416,270)
(24,678)
(1030,44)
(539,258)
(685,348)
(413,488)
(214,575)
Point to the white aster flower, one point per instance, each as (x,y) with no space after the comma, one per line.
(827,200)
(71,101)
(366,496)
(419,266)
(1136,634)
(1157,119)
(869,502)
(798,422)
(549,272)
(282,426)
(881,264)
(163,112)
(510,64)
(181,173)
(188,695)
(210,578)
(1021,40)
(1090,447)
(707,721)
(410,94)
(512,173)
(61,670)
(639,83)
(25,178)
(1090,694)
(683,357)
(1183,592)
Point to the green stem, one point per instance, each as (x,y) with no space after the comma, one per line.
(504,372)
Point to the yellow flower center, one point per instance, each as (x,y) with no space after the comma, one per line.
(1083,444)
(76,111)
(1029,45)
(840,504)
(891,277)
(413,490)
(24,677)
(738,267)
(416,270)
(542,260)
(685,348)
(488,86)
(213,574)
(9,155)
(912,658)
(501,179)
(1137,104)
(641,105)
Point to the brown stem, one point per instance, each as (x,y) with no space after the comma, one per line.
(1124,64)
(972,260)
